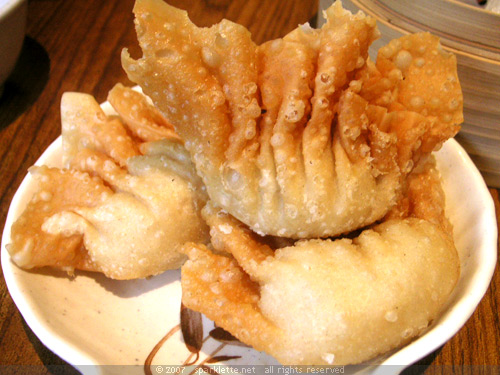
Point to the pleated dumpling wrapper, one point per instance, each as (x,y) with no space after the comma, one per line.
(122,205)
(300,137)
(329,302)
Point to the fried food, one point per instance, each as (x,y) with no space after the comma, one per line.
(324,302)
(303,136)
(423,197)
(84,125)
(57,190)
(141,117)
(122,206)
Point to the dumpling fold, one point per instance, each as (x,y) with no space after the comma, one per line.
(304,136)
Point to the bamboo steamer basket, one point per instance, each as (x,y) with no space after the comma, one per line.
(473,35)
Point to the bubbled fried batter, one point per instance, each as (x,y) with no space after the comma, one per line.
(57,190)
(302,136)
(140,116)
(324,302)
(423,197)
(84,125)
(138,229)
(415,74)
(125,204)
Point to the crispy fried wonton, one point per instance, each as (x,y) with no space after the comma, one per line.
(302,136)
(323,302)
(142,118)
(122,206)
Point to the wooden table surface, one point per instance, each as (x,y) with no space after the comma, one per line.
(75,46)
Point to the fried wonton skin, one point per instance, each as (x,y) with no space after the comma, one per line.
(122,206)
(57,190)
(423,197)
(302,136)
(85,126)
(140,116)
(324,302)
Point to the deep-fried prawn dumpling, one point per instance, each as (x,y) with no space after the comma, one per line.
(123,208)
(323,302)
(141,117)
(85,126)
(285,135)
(57,190)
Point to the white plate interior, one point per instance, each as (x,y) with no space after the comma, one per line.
(92,320)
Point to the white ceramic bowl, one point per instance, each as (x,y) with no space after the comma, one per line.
(12,29)
(92,321)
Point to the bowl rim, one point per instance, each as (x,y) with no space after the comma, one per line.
(460,311)
(9,7)
(457,313)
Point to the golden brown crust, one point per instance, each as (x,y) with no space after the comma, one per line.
(428,82)
(84,125)
(323,302)
(138,229)
(423,197)
(124,208)
(302,136)
(218,287)
(140,117)
(57,191)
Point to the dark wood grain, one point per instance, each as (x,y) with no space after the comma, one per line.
(82,40)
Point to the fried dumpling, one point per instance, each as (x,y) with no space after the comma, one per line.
(85,126)
(141,117)
(122,206)
(295,137)
(324,302)
(57,190)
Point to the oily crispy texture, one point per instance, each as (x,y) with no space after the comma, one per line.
(140,116)
(416,77)
(295,137)
(124,207)
(138,230)
(323,302)
(84,125)
(57,190)
(423,197)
